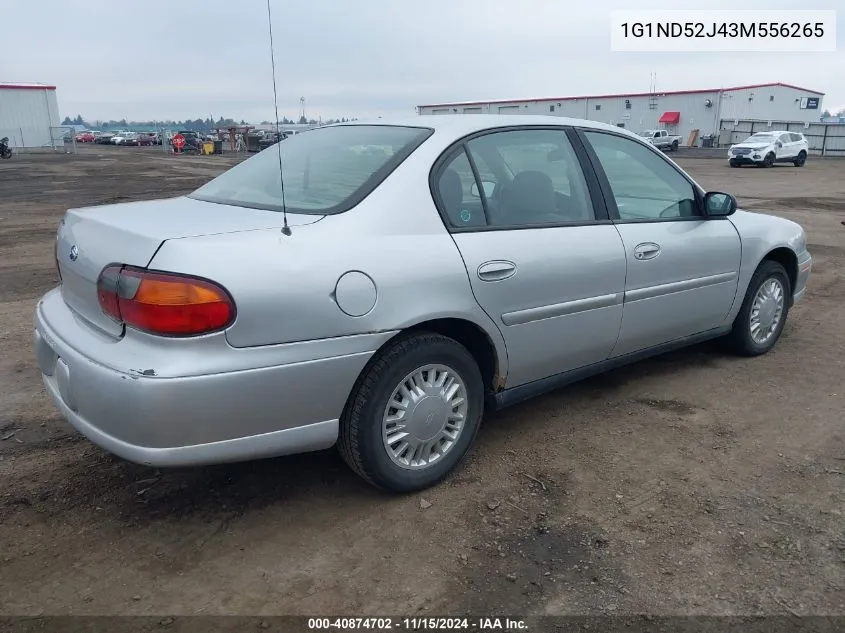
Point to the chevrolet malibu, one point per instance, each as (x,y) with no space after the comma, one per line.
(377,286)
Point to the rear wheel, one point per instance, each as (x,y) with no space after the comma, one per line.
(801,159)
(413,413)
(761,319)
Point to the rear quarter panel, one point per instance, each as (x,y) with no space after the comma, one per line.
(284,286)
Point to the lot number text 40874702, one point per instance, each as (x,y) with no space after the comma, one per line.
(417,624)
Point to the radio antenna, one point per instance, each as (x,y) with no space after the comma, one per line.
(285,229)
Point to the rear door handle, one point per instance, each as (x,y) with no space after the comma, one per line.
(646,250)
(496,270)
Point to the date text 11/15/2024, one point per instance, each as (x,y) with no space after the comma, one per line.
(418,624)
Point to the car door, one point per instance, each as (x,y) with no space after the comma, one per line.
(682,268)
(544,261)
(784,147)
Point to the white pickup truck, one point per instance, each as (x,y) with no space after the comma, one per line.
(662,139)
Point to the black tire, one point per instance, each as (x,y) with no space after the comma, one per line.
(801,159)
(769,160)
(360,438)
(734,163)
(674,146)
(740,339)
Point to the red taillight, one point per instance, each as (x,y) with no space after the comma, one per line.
(163,303)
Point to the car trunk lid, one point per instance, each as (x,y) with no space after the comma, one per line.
(91,238)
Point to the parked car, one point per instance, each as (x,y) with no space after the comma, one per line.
(119,138)
(395,296)
(105,138)
(270,139)
(662,139)
(764,149)
(192,139)
(128,139)
(148,138)
(85,137)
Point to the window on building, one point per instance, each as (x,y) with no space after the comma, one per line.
(598,106)
(551,108)
(627,104)
(771,97)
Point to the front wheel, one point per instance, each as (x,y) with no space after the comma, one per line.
(674,146)
(768,161)
(413,413)
(761,319)
(734,163)
(6,153)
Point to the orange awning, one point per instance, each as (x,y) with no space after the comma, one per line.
(671,118)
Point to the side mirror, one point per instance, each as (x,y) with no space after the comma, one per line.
(779,144)
(719,205)
(488,189)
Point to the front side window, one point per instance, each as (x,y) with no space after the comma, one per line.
(644,185)
(531,177)
(326,170)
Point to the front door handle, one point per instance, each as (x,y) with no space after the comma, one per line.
(496,270)
(647,250)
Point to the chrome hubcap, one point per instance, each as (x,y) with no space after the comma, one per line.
(766,310)
(424,416)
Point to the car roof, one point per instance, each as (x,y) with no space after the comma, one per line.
(458,125)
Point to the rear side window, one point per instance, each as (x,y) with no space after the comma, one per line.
(796,138)
(326,170)
(536,179)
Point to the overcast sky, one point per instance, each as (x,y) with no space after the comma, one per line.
(161,59)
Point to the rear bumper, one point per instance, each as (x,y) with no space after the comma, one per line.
(248,412)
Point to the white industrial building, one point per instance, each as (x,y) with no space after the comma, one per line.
(680,112)
(27,112)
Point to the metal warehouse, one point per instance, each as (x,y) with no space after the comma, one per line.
(27,114)
(681,112)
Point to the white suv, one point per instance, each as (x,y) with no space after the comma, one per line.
(764,149)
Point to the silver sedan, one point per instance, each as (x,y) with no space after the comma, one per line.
(391,282)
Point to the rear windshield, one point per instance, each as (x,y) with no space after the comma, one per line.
(326,170)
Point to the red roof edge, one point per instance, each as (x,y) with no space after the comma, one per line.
(622,95)
(25,87)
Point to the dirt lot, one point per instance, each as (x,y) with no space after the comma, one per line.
(695,483)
